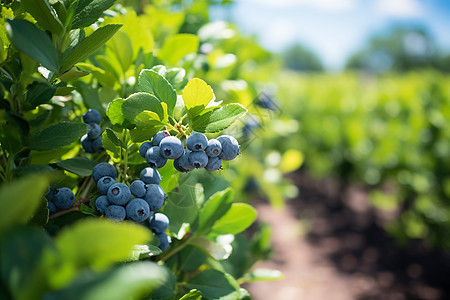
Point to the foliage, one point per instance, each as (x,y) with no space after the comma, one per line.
(141,72)
(298,57)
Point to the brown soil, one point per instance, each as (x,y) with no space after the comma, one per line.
(329,243)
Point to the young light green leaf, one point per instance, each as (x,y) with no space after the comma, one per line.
(114,111)
(262,275)
(139,102)
(196,95)
(90,242)
(238,218)
(177,46)
(73,74)
(152,82)
(44,15)
(35,43)
(214,284)
(143,251)
(213,209)
(57,136)
(79,166)
(19,202)
(89,45)
(88,12)
(218,119)
(192,295)
(122,48)
(103,77)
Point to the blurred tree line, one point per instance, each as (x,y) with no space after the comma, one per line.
(400,49)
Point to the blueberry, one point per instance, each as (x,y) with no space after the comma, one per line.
(150,175)
(154,158)
(164,241)
(138,210)
(230,147)
(182,163)
(171,147)
(214,148)
(92,116)
(138,188)
(159,223)
(119,193)
(155,197)
(158,137)
(94,132)
(51,207)
(198,159)
(101,204)
(50,193)
(97,144)
(64,198)
(87,144)
(214,164)
(197,142)
(144,147)
(104,183)
(103,169)
(115,212)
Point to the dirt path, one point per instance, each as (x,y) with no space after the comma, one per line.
(329,244)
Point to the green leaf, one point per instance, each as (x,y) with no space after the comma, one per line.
(109,145)
(35,43)
(114,138)
(73,74)
(99,242)
(39,93)
(192,295)
(177,46)
(90,96)
(214,284)
(79,166)
(44,15)
(196,96)
(176,77)
(238,218)
(139,102)
(58,135)
(89,45)
(128,281)
(143,251)
(88,12)
(122,48)
(210,248)
(218,119)
(20,199)
(215,207)
(114,111)
(104,78)
(143,132)
(262,275)
(152,82)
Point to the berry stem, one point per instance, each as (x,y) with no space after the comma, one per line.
(175,250)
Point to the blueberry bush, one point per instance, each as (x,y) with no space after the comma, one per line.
(115,155)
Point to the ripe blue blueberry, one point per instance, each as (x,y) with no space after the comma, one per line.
(97,144)
(101,204)
(183,162)
(198,159)
(144,147)
(154,157)
(115,213)
(214,164)
(51,208)
(158,137)
(214,148)
(150,175)
(197,142)
(171,147)
(164,241)
(159,223)
(103,169)
(230,147)
(94,132)
(155,197)
(138,188)
(176,165)
(119,194)
(104,183)
(137,210)
(50,193)
(92,116)
(87,144)
(64,198)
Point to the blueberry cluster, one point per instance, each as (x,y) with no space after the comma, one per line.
(59,199)
(199,153)
(137,203)
(92,141)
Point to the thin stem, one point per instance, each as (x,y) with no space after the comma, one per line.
(183,117)
(175,250)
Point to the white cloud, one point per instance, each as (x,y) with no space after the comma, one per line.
(324,5)
(399,8)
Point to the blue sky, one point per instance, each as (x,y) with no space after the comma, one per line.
(336,28)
